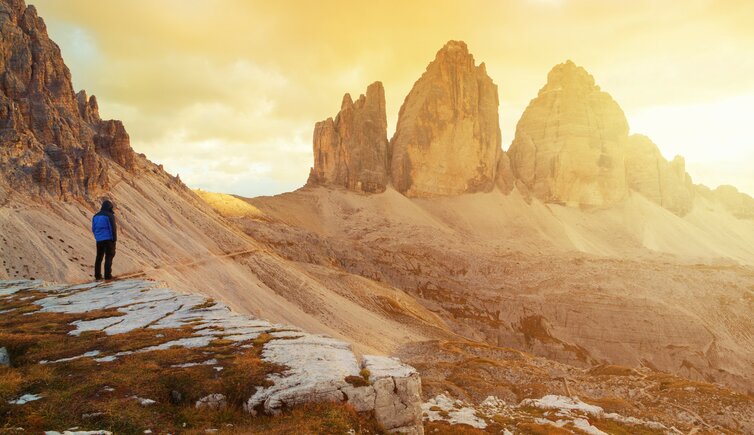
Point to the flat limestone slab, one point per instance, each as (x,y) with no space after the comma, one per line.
(316,366)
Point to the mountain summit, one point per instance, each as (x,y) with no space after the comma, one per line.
(570,142)
(447,141)
(54,141)
(351,151)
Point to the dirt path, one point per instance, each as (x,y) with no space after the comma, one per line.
(185,264)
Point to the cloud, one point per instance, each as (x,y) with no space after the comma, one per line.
(252,77)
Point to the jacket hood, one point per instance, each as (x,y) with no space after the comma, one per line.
(107,206)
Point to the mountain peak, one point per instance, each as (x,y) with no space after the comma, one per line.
(568,75)
(447,140)
(63,147)
(570,142)
(351,150)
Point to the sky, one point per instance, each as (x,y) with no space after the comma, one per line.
(225,93)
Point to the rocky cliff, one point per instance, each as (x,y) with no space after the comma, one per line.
(570,142)
(447,140)
(351,150)
(571,145)
(53,140)
(666,183)
(737,203)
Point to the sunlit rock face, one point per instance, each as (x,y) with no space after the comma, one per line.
(53,140)
(447,140)
(505,179)
(663,182)
(738,203)
(351,150)
(569,145)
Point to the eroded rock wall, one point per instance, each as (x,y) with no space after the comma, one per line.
(569,145)
(351,150)
(664,182)
(447,141)
(53,140)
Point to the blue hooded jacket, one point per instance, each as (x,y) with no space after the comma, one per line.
(103,224)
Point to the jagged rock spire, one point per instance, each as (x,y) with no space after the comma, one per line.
(447,141)
(53,140)
(351,150)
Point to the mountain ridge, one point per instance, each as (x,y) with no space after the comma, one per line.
(572,144)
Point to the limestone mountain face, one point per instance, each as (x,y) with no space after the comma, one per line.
(351,150)
(505,179)
(737,203)
(53,140)
(665,183)
(569,145)
(447,140)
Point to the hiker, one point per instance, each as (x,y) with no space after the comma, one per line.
(106,234)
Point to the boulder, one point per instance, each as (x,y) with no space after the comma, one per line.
(4,357)
(351,150)
(212,401)
(360,398)
(447,140)
(398,403)
(569,145)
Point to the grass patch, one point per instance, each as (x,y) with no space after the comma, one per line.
(96,396)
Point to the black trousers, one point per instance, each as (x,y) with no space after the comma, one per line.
(105,249)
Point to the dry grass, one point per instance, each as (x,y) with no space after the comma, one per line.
(443,428)
(96,396)
(612,370)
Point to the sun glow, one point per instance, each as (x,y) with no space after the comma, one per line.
(253,77)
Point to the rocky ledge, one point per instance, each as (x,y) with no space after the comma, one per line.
(316,368)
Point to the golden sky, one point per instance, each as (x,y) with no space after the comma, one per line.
(226,92)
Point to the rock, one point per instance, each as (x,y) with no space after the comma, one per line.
(737,203)
(112,140)
(4,357)
(570,142)
(665,183)
(143,401)
(447,140)
(384,366)
(176,397)
(360,398)
(505,179)
(212,401)
(351,151)
(398,402)
(52,140)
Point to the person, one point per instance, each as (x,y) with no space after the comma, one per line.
(106,234)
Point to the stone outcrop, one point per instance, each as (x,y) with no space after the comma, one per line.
(351,150)
(212,401)
(505,179)
(447,140)
(570,142)
(4,357)
(52,139)
(319,369)
(663,182)
(316,368)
